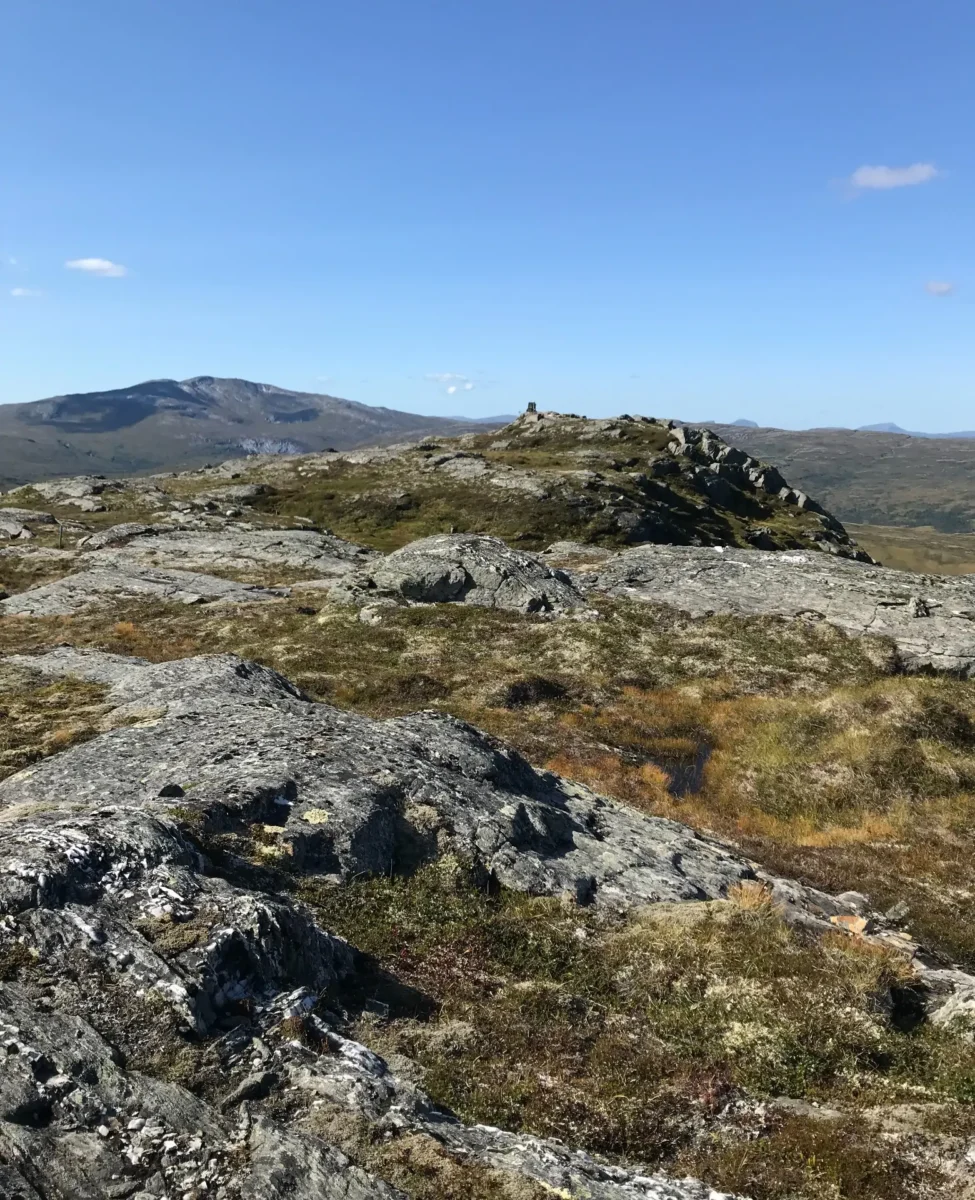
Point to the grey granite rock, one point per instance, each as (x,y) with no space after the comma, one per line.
(116,535)
(231,548)
(26,516)
(13,529)
(254,750)
(107,841)
(463,569)
(106,584)
(930,618)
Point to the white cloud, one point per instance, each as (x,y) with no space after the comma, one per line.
(21,291)
(939,287)
(884,178)
(97,266)
(451,381)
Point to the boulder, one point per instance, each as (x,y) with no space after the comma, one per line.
(463,569)
(78,487)
(10,529)
(26,516)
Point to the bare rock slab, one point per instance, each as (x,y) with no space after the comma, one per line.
(352,795)
(101,585)
(930,618)
(96,851)
(230,548)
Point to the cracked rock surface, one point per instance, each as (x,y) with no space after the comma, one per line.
(930,618)
(105,843)
(229,548)
(235,743)
(100,584)
(463,569)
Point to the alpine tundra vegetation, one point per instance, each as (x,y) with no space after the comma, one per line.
(571,809)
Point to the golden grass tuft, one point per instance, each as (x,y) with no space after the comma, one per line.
(750,895)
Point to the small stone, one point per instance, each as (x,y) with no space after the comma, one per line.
(254,1087)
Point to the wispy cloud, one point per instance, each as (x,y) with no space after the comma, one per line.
(881,179)
(22,292)
(97,266)
(939,287)
(452,382)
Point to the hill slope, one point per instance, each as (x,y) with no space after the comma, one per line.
(873,478)
(548,477)
(166,423)
(464,872)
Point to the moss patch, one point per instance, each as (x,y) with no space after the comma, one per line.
(622,1035)
(38,718)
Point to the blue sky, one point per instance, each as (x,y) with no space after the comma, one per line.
(599,205)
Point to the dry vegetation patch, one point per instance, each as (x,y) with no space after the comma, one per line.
(785,737)
(920,548)
(38,718)
(655,1038)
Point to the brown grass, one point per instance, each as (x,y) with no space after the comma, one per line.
(39,718)
(627,1036)
(920,548)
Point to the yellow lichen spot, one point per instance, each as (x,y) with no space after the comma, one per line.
(315,816)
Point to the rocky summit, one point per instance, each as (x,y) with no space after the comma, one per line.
(571,809)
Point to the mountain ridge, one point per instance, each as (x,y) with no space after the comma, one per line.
(160,423)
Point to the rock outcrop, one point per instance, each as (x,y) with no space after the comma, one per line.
(106,842)
(930,618)
(151,878)
(127,933)
(106,584)
(253,749)
(462,569)
(230,548)
(15,523)
(26,516)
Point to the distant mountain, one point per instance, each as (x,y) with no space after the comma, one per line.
(163,423)
(890,427)
(744,423)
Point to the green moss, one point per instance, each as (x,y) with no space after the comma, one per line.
(38,718)
(814,1160)
(16,961)
(614,1033)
